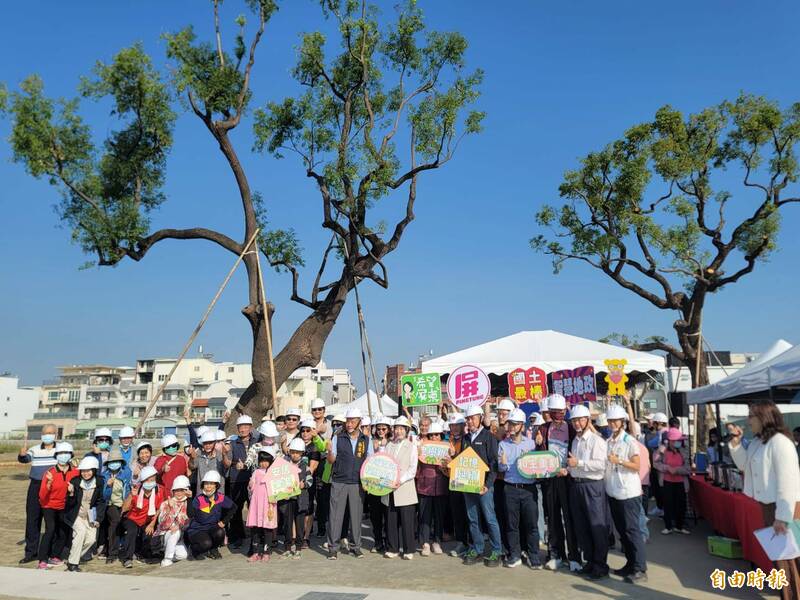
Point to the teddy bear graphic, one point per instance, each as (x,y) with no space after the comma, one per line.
(616,377)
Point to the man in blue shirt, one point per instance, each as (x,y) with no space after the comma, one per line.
(521,496)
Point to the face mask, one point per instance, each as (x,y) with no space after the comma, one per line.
(209,494)
(171,451)
(149,485)
(48,438)
(114,466)
(63,458)
(103,445)
(124,446)
(678,445)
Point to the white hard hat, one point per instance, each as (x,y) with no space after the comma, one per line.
(181,483)
(127,432)
(88,462)
(338,418)
(353,413)
(402,421)
(517,415)
(244,420)
(317,403)
(64,447)
(384,420)
(143,444)
(556,402)
(506,404)
(147,472)
(660,417)
(208,436)
(102,432)
(615,411)
(212,477)
(168,440)
(268,429)
(271,450)
(201,430)
(435,428)
(294,412)
(601,421)
(474,410)
(455,419)
(297,444)
(578,412)
(308,423)
(538,419)
(366,421)
(543,405)
(219,435)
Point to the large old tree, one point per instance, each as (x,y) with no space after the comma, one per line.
(679,208)
(375,111)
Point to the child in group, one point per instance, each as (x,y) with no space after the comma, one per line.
(293,510)
(262,517)
(209,514)
(84,510)
(172,520)
(53,498)
(141,507)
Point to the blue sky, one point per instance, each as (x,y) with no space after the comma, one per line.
(562,79)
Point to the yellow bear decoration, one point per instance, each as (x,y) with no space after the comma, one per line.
(616,377)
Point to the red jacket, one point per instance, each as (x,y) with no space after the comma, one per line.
(56,496)
(139,515)
(178,465)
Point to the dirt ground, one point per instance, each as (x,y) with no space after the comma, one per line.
(679,566)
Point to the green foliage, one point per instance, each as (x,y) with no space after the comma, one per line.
(280,246)
(648,200)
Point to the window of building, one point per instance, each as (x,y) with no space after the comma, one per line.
(196,368)
(162,377)
(230,369)
(52,396)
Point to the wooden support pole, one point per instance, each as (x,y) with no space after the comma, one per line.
(275,403)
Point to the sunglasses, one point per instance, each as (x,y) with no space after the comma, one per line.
(305,429)
(292,419)
(316,409)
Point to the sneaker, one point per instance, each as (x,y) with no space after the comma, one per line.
(201,556)
(357,553)
(43,565)
(597,575)
(326,546)
(265,557)
(493,560)
(471,558)
(436,548)
(26,559)
(110,560)
(574,566)
(305,545)
(459,550)
(587,569)
(296,555)
(511,564)
(166,563)
(254,558)
(534,563)
(623,572)
(684,531)
(214,554)
(426,550)
(128,564)
(333,555)
(637,577)
(73,568)
(666,531)
(408,556)
(552,564)
(344,543)
(390,555)
(55,562)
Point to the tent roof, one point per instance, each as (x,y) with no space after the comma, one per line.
(387,406)
(549,350)
(778,365)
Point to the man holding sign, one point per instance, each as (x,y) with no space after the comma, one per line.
(521,497)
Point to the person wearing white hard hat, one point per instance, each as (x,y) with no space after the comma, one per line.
(372,504)
(520,494)
(401,504)
(126,435)
(84,509)
(485,445)
(500,428)
(588,502)
(544,410)
(209,514)
(144,458)
(172,463)
(652,441)
(292,430)
(346,452)
(293,511)
(504,408)
(320,422)
(52,498)
(239,475)
(41,457)
(432,494)
(262,514)
(557,435)
(103,440)
(270,438)
(209,458)
(624,490)
(173,518)
(117,477)
(312,455)
(141,508)
(456,425)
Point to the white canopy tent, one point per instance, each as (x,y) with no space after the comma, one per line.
(549,350)
(386,406)
(778,365)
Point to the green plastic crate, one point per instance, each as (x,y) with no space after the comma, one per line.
(724,547)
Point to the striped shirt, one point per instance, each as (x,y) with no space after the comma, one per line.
(40,459)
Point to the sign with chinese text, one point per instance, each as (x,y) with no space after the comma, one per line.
(616,377)
(432,453)
(468,386)
(380,474)
(282,480)
(527,384)
(467,472)
(421,389)
(539,465)
(576,385)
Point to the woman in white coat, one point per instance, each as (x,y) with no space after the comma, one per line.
(771,476)
(402,502)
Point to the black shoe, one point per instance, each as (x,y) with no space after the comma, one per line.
(472,558)
(333,555)
(26,559)
(623,572)
(73,568)
(597,575)
(321,533)
(128,564)
(201,556)
(534,563)
(110,560)
(214,554)
(587,569)
(636,577)
(357,553)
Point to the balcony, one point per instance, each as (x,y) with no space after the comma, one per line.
(64,414)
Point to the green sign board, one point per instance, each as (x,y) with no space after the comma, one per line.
(421,389)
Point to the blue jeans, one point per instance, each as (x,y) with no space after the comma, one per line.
(484,503)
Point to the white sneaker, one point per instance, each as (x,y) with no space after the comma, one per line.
(574,566)
(684,531)
(552,564)
(408,556)
(166,563)
(458,550)
(666,531)
(436,548)
(390,555)
(426,550)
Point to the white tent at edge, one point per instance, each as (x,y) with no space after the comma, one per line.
(778,365)
(549,350)
(386,406)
